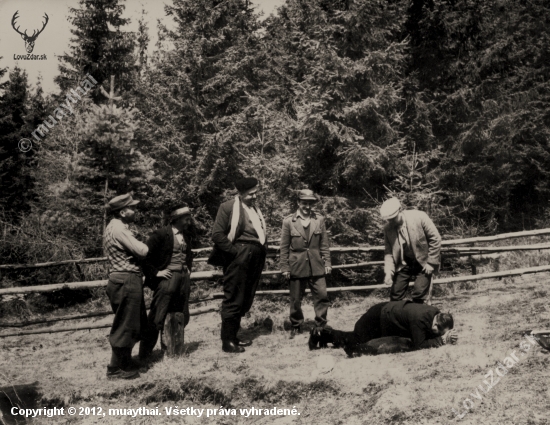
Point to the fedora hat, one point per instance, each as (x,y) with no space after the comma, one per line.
(121,201)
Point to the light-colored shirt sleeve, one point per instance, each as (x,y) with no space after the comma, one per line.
(124,236)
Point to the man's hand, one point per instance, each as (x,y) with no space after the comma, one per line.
(164,274)
(328,270)
(388,280)
(428,269)
(451,337)
(286,275)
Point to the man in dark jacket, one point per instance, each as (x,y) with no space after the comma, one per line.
(424,325)
(167,268)
(305,260)
(239,236)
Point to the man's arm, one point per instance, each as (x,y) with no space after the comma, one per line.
(285,247)
(130,243)
(219,232)
(324,246)
(434,240)
(420,339)
(389,261)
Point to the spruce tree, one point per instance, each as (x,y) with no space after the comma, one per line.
(99,47)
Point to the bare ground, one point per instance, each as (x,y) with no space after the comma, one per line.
(324,386)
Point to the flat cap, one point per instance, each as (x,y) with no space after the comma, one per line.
(306,195)
(390,208)
(121,201)
(246,183)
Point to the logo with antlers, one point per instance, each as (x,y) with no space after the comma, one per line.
(29,39)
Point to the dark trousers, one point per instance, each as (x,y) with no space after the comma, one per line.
(412,271)
(321,302)
(240,281)
(170,296)
(366,328)
(125,292)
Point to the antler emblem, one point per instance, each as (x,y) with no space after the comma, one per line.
(29,39)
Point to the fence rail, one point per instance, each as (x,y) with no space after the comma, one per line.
(219,295)
(358,249)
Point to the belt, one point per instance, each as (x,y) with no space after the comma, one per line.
(258,244)
(123,272)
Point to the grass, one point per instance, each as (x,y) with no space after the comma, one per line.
(409,388)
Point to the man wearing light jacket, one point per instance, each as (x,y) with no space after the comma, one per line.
(305,260)
(239,236)
(412,250)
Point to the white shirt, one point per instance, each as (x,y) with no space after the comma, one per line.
(256,222)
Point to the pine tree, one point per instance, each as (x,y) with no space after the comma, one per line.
(15,178)
(100,47)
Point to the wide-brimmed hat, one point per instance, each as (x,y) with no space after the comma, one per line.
(121,201)
(306,195)
(180,212)
(390,208)
(246,183)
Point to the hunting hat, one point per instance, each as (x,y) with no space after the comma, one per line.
(179,212)
(306,195)
(121,201)
(390,208)
(246,183)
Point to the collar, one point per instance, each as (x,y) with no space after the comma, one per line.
(176,231)
(297,215)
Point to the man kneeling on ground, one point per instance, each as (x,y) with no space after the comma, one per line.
(424,325)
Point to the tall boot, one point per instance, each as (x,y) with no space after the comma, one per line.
(229,330)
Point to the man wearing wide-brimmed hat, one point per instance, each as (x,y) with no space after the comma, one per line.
(125,286)
(305,260)
(167,269)
(412,250)
(239,236)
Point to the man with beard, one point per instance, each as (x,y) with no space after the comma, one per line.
(167,270)
(125,287)
(239,236)
(412,251)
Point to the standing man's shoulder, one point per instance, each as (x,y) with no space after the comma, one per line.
(416,214)
(288,219)
(227,205)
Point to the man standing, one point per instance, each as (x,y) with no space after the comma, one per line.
(167,269)
(305,260)
(239,236)
(423,324)
(125,287)
(412,250)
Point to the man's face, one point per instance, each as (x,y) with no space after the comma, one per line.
(396,221)
(306,205)
(249,197)
(184,222)
(435,328)
(128,214)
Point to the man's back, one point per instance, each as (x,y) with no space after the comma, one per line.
(410,320)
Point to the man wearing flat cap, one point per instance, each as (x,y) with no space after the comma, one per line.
(305,260)
(167,272)
(125,287)
(239,236)
(412,250)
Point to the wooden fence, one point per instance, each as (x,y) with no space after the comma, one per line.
(448,248)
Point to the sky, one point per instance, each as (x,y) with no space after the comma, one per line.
(55,38)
